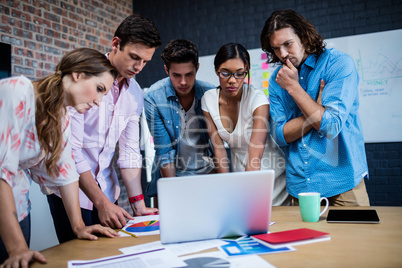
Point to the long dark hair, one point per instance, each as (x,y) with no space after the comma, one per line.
(305,30)
(50,107)
(232,51)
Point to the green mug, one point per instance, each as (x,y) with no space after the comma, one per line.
(310,205)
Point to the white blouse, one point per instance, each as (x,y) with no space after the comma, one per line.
(239,139)
(21,156)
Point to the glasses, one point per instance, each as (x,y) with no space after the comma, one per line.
(227,75)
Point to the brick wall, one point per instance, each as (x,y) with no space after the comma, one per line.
(41,32)
(212,23)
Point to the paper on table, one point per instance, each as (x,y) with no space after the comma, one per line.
(177,249)
(218,259)
(159,258)
(138,220)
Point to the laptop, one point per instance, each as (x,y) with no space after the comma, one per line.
(212,206)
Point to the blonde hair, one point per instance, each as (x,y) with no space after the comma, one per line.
(50,107)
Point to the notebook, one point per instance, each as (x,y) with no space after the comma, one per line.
(214,206)
(291,238)
(290,235)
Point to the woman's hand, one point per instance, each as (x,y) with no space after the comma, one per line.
(10,232)
(22,258)
(87,232)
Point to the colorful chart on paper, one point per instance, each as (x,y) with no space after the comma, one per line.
(145,226)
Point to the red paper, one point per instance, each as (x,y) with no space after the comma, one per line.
(290,235)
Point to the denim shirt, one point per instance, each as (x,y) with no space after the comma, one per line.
(332,160)
(162,113)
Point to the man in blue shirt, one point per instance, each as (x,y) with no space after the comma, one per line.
(320,131)
(173,111)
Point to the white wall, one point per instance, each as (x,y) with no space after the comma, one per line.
(43,234)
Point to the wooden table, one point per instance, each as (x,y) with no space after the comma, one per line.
(351,245)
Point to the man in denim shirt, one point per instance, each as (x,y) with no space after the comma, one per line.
(320,131)
(173,111)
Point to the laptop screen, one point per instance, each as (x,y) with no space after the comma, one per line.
(215,205)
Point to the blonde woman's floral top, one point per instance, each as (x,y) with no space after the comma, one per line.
(21,156)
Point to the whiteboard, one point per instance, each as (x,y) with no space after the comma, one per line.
(378,58)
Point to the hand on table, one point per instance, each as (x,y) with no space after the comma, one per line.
(87,232)
(22,258)
(140,209)
(113,216)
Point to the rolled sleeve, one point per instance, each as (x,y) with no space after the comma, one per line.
(129,145)
(278,117)
(67,171)
(129,139)
(278,134)
(339,96)
(166,158)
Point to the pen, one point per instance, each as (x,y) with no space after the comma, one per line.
(133,235)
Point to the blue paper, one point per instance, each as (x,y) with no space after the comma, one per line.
(246,245)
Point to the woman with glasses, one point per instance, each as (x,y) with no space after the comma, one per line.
(238,114)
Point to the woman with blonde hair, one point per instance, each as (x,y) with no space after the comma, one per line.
(34,144)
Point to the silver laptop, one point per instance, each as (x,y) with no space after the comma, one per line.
(214,206)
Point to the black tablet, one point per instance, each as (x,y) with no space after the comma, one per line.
(352,216)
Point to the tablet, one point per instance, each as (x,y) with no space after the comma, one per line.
(352,216)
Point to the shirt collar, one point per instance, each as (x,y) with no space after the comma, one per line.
(311,60)
(170,90)
(127,82)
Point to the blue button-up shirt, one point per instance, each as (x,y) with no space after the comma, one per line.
(332,160)
(162,108)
